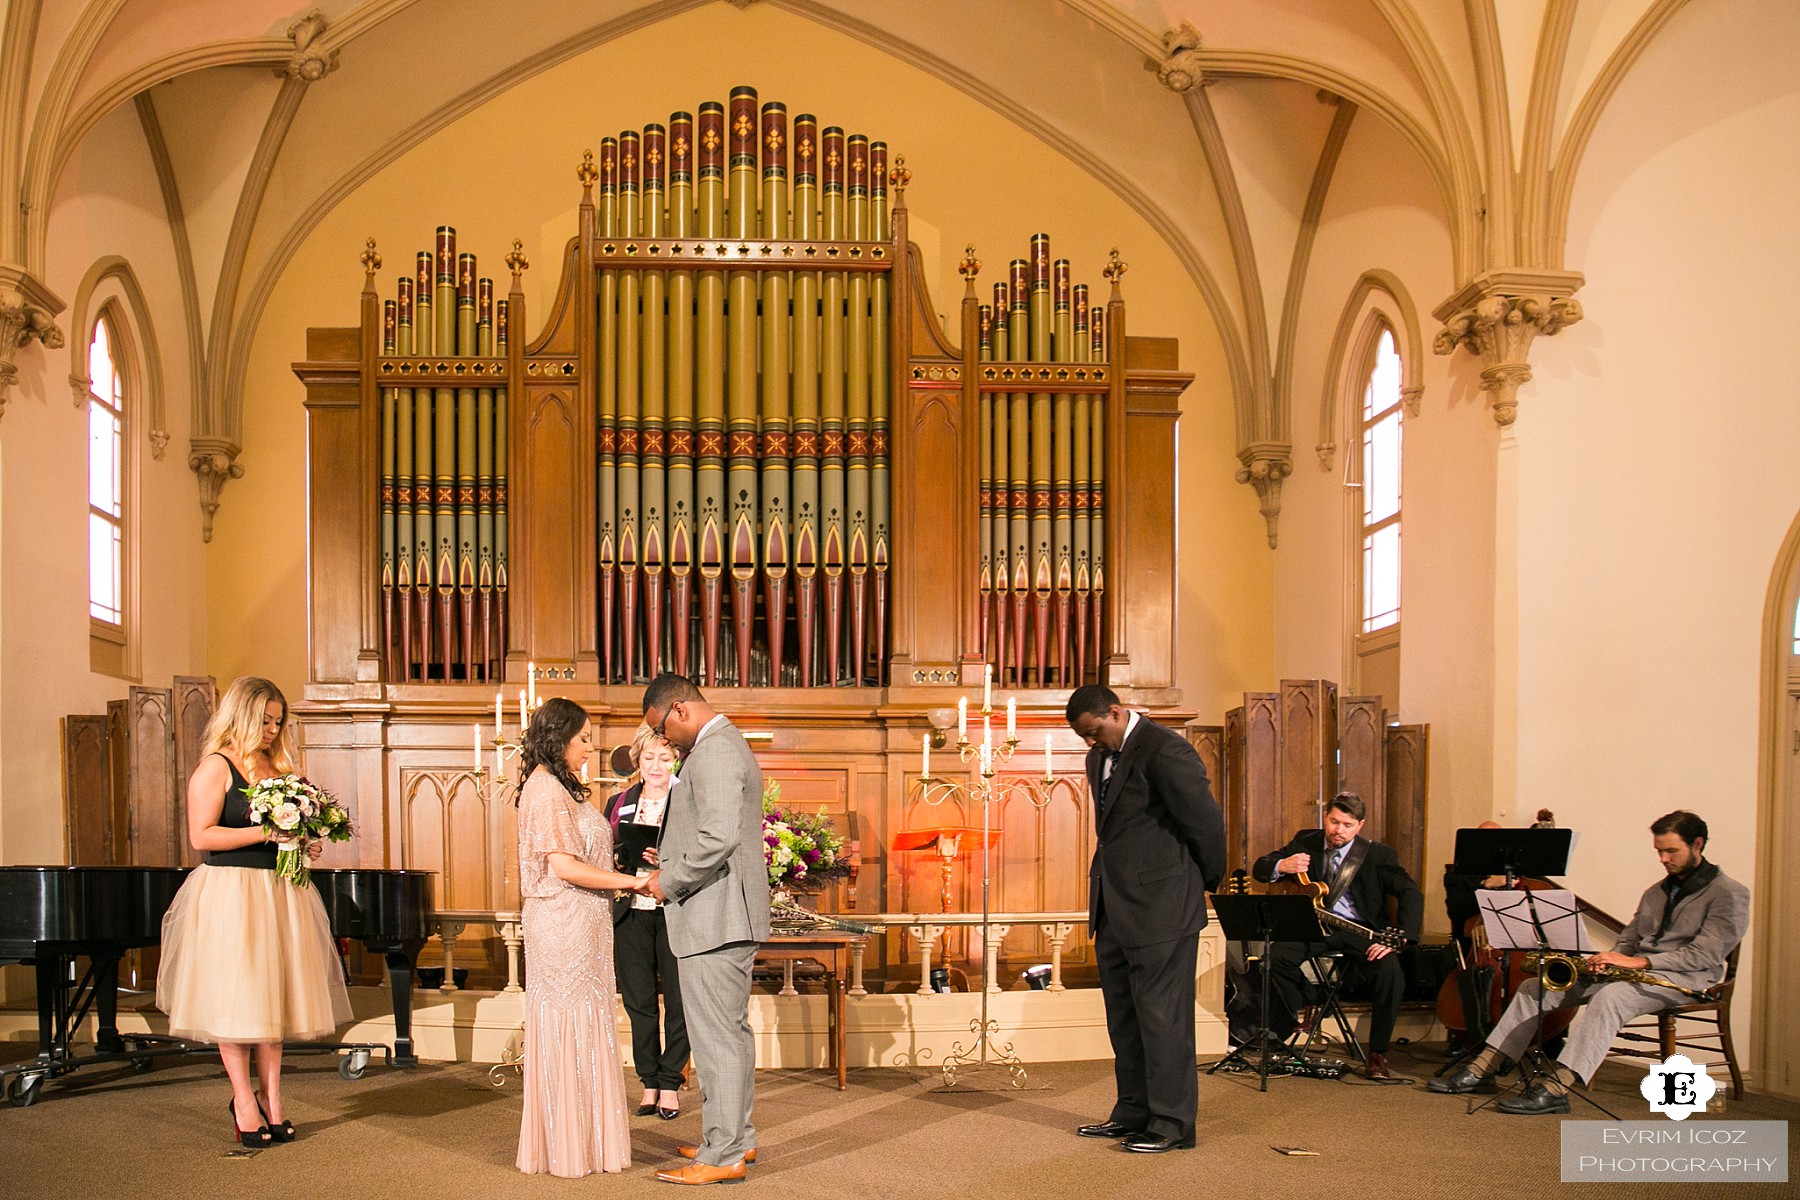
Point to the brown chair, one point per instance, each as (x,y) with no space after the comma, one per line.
(1713,1015)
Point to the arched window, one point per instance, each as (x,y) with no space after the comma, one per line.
(106,483)
(1381,489)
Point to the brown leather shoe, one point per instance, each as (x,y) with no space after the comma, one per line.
(1376,1067)
(697,1173)
(694,1152)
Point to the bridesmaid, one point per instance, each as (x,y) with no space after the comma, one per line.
(645,963)
(247,958)
(574,1120)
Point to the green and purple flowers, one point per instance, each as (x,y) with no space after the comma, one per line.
(801,849)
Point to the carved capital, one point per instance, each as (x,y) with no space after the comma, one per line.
(309,61)
(1497,316)
(1327,452)
(27,314)
(1180,68)
(213,462)
(1266,464)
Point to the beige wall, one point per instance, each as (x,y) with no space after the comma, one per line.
(109,204)
(1656,454)
(508,169)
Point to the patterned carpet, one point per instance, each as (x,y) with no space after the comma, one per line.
(442,1131)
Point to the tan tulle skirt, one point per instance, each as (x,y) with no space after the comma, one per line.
(248,957)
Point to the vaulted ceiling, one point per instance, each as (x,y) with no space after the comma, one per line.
(1219,121)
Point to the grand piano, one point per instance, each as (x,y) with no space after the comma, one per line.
(54,917)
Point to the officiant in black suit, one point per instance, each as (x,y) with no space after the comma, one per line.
(1361,875)
(1159,847)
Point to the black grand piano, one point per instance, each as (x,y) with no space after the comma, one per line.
(54,917)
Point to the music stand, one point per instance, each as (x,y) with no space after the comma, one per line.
(1265,919)
(1510,853)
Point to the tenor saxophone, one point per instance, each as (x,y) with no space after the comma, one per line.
(1560,972)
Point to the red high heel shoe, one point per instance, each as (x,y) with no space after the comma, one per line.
(256,1138)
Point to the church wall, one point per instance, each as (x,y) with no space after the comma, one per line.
(1656,454)
(1383,214)
(109,204)
(508,169)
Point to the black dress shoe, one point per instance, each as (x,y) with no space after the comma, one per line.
(645,1110)
(1155,1143)
(1536,1100)
(1108,1129)
(1463,1082)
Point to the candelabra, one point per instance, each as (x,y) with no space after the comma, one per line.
(984,787)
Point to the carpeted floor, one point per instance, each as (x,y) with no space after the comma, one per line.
(442,1131)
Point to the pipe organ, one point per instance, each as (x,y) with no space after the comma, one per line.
(741,445)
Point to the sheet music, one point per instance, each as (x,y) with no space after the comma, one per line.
(1508,918)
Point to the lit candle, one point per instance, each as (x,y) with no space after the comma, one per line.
(499,766)
(925,757)
(987,688)
(476,728)
(1046,756)
(1012,719)
(497,716)
(531,683)
(524,714)
(962,718)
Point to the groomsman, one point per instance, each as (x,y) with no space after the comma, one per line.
(1159,847)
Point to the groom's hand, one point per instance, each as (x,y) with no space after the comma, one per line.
(653,885)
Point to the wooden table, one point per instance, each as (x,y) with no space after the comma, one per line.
(829,948)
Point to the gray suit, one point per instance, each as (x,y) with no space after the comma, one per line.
(1704,927)
(718,911)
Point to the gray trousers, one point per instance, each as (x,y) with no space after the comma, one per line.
(1608,1007)
(715,996)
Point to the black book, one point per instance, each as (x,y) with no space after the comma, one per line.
(633,841)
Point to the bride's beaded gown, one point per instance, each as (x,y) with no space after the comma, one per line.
(574,1121)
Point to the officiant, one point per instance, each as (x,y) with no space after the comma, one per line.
(645,965)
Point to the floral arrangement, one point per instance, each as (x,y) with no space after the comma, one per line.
(288,806)
(802,850)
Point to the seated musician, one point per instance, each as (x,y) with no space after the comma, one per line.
(1361,874)
(1685,927)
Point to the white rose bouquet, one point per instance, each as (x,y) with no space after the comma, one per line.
(291,808)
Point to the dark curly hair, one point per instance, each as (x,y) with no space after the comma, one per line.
(553,726)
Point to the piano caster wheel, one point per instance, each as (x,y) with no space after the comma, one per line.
(353,1064)
(23,1091)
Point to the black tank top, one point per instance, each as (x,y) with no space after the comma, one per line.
(237,816)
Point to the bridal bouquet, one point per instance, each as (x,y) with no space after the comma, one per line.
(289,806)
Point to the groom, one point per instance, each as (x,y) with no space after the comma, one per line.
(716,885)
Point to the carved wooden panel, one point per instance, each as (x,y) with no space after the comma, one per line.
(543,494)
(465,833)
(1208,742)
(1265,824)
(1362,755)
(929,593)
(156,835)
(195,698)
(118,738)
(1232,793)
(1403,821)
(1308,749)
(87,791)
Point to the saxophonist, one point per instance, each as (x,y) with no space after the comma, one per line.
(1685,927)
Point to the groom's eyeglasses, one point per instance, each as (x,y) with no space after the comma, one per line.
(658,728)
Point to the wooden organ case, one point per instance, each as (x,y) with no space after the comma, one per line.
(743,448)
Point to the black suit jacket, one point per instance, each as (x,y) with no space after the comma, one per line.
(1159,844)
(1380,876)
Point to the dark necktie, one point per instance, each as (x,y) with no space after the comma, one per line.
(1109,763)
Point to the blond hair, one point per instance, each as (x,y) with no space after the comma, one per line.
(236,727)
(641,741)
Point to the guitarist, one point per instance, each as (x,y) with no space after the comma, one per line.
(1359,875)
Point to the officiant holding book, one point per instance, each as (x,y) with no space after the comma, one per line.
(646,966)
